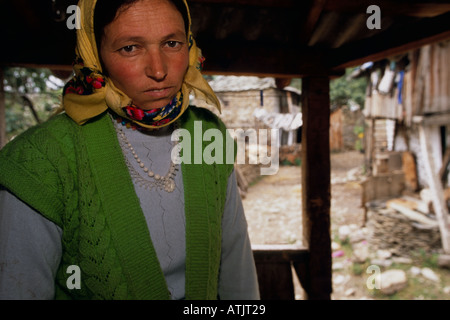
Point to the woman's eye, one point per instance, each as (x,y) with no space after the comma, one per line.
(128,49)
(173,44)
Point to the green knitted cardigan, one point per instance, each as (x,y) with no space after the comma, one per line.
(76,176)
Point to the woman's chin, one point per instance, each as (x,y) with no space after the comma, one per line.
(152,105)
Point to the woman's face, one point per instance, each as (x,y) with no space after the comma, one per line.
(145,52)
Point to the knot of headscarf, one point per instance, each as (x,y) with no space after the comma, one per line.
(157,117)
(90,93)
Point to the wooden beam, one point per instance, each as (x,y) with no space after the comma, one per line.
(280,252)
(261,60)
(445,163)
(410,8)
(439,204)
(274,267)
(256,3)
(316,190)
(311,20)
(437,119)
(391,42)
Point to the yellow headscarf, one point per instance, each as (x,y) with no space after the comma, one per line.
(81,104)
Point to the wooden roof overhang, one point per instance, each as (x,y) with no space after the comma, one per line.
(281,38)
(311,39)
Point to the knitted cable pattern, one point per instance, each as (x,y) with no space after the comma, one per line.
(210,180)
(76,176)
(47,168)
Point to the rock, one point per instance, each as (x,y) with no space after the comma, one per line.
(358,235)
(381,262)
(335,246)
(343,233)
(392,281)
(360,253)
(384,254)
(350,292)
(430,274)
(337,266)
(402,260)
(340,279)
(415,271)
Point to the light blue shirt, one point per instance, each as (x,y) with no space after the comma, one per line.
(30,245)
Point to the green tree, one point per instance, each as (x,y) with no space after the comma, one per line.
(31,95)
(346,90)
(343,90)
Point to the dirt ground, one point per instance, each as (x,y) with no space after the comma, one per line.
(273,211)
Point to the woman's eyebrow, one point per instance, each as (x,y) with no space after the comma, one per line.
(121,40)
(176,35)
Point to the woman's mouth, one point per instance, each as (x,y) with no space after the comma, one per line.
(158,93)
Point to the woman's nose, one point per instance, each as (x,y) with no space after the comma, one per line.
(156,67)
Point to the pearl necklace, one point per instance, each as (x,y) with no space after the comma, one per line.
(166,182)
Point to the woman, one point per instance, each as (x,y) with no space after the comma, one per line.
(95,189)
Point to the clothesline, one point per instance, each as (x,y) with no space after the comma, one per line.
(275,120)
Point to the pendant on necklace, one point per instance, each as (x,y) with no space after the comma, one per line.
(169,185)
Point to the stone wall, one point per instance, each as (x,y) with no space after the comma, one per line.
(238,106)
(390,230)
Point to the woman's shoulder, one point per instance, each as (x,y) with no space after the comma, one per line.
(54,130)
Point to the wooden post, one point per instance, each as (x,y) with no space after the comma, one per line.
(316,186)
(2,110)
(435,184)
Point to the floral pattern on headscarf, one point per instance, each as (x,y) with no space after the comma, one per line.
(158,116)
(86,80)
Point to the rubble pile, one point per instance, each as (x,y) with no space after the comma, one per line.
(390,229)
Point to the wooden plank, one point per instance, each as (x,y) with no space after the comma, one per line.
(410,8)
(280,253)
(230,58)
(274,267)
(439,205)
(445,163)
(311,20)
(316,190)
(419,8)
(438,119)
(383,186)
(409,168)
(275,280)
(258,3)
(390,43)
(406,208)
(417,204)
